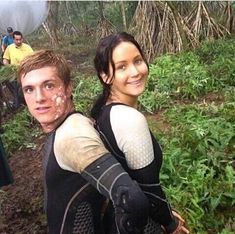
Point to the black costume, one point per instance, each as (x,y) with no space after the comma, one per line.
(74,156)
(125,132)
(5,172)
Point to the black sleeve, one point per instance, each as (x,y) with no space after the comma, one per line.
(160,210)
(131,206)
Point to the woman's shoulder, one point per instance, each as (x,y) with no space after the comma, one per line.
(126,110)
(126,114)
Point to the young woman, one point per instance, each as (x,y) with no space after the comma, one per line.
(123,70)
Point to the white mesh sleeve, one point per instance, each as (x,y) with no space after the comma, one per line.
(132,135)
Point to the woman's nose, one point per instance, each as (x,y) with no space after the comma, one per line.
(134,70)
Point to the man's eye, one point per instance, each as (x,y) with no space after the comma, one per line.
(49,86)
(28,90)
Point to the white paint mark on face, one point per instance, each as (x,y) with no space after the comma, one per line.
(58,101)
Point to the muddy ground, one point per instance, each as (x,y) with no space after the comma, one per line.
(22,201)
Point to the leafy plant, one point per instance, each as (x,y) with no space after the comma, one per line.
(19,131)
(85,92)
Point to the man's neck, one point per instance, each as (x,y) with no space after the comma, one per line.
(50,127)
(18,46)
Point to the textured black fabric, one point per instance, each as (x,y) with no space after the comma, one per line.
(147,177)
(67,194)
(6,177)
(130,203)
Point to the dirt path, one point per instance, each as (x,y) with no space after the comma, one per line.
(22,202)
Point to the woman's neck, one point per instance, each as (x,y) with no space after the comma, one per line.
(132,102)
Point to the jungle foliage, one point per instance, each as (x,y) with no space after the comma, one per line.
(194,94)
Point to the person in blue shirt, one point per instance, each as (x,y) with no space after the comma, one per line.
(8,39)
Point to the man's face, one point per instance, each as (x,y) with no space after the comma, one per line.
(46,96)
(18,40)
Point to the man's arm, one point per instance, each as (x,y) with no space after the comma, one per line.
(78,148)
(131,206)
(6,61)
(6,56)
(4,46)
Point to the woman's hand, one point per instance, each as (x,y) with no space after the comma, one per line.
(181,228)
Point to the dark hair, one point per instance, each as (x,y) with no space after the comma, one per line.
(9,29)
(18,33)
(103,59)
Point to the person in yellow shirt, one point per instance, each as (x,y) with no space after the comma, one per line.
(13,55)
(17,51)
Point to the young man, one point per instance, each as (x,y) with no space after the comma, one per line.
(75,156)
(13,55)
(8,39)
(17,51)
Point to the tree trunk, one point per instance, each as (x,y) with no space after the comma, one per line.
(230,17)
(179,24)
(51,24)
(123,15)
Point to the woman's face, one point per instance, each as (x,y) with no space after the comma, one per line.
(130,74)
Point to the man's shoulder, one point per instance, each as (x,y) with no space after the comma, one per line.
(76,125)
(4,39)
(26,45)
(75,121)
(7,39)
(11,46)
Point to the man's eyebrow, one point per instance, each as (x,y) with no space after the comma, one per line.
(44,82)
(27,86)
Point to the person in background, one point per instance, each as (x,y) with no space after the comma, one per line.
(7,40)
(17,51)
(77,167)
(13,55)
(6,177)
(123,70)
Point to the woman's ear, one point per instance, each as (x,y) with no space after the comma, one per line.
(106,79)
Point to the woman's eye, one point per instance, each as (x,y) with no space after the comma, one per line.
(121,67)
(139,61)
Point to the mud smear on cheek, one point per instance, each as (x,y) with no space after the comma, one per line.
(59,100)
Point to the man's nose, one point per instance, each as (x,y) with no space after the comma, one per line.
(39,95)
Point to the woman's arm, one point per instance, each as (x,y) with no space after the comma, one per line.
(144,158)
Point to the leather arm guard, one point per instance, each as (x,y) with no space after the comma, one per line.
(131,206)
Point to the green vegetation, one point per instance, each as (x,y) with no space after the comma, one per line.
(194,95)
(19,132)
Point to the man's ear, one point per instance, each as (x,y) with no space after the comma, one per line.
(69,89)
(106,79)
